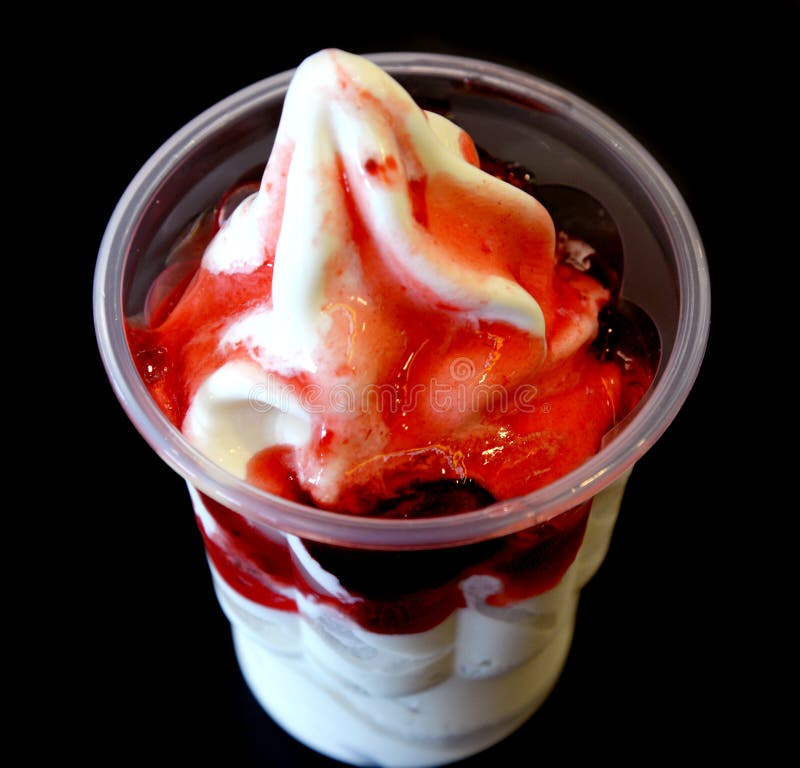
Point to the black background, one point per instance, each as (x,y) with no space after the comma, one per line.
(665,659)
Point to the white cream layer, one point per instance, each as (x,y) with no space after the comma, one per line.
(408,699)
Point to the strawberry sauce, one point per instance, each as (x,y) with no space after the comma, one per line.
(571,408)
(392,592)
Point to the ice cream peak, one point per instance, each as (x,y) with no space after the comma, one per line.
(383,315)
(350,171)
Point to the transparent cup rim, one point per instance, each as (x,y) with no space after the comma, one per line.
(645,427)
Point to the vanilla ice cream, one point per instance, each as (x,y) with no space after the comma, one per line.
(382,328)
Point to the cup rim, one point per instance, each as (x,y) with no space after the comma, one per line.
(644,428)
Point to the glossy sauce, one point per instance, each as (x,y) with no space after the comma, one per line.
(175,348)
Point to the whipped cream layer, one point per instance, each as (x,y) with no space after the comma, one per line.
(382,312)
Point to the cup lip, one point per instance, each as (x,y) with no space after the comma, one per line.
(644,428)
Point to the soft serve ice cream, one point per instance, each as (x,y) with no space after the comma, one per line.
(382,328)
(381,310)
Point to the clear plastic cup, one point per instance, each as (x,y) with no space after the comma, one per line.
(358,677)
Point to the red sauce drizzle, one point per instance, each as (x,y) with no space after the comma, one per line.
(397,592)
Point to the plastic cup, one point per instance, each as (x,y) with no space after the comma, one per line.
(378,641)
